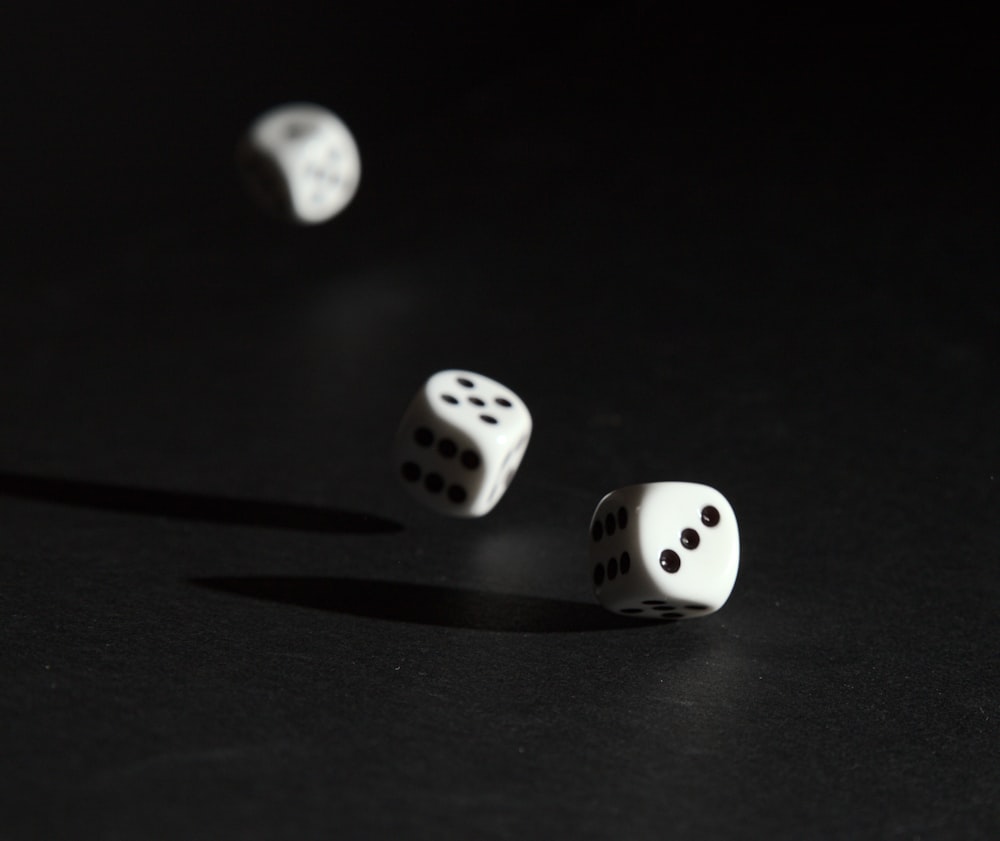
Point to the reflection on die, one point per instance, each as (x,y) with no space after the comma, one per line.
(664,550)
(461,441)
(299,162)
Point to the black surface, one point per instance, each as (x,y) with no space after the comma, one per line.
(763,258)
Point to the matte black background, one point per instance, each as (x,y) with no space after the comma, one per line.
(761,256)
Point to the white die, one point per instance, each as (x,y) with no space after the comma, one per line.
(461,441)
(664,550)
(300,162)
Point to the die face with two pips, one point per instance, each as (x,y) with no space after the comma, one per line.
(664,550)
(300,162)
(461,442)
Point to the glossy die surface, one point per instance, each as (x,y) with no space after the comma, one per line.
(300,162)
(667,550)
(461,441)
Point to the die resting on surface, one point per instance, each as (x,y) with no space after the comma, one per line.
(664,550)
(299,162)
(461,441)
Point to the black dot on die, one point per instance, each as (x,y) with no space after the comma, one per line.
(466,383)
(598,575)
(433,482)
(503,401)
(597,531)
(710,515)
(672,615)
(609,524)
(631,610)
(411,471)
(488,419)
(450,399)
(447,447)
(690,539)
(423,436)
(670,560)
(457,494)
(476,401)
(696,607)
(470,459)
(612,569)
(622,518)
(625,563)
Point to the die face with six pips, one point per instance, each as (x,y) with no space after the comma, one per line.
(461,442)
(664,550)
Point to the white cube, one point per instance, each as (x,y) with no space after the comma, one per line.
(461,442)
(664,550)
(300,162)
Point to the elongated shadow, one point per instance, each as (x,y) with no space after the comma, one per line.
(426,604)
(192,506)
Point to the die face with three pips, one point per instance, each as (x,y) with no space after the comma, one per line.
(461,442)
(664,550)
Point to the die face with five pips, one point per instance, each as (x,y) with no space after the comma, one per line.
(664,550)
(461,442)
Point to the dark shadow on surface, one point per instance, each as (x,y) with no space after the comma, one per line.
(426,604)
(195,507)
